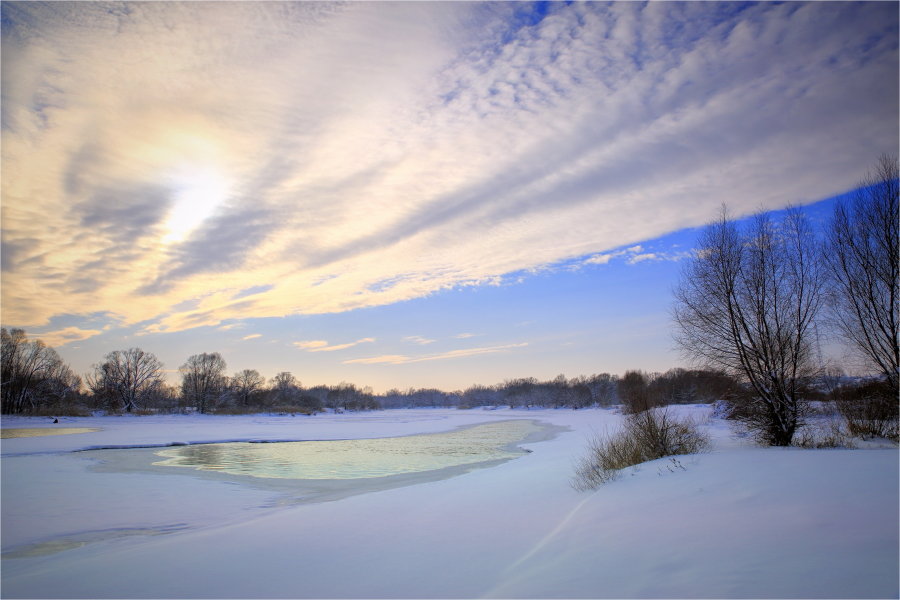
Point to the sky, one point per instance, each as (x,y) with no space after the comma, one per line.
(402,194)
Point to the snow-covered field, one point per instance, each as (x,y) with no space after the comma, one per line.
(740,521)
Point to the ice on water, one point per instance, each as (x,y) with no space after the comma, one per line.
(358,458)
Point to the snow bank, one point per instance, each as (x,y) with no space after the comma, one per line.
(740,521)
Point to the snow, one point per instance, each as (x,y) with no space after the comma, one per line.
(739,521)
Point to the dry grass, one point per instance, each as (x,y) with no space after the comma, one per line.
(645,436)
(824,432)
(60,410)
(255,410)
(871,417)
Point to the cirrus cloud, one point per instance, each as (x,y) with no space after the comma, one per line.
(400,359)
(179,165)
(323,346)
(67,335)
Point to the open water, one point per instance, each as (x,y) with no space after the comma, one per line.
(355,459)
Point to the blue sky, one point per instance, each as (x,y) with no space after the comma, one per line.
(410,194)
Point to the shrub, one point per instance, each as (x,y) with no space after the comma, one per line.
(755,417)
(870,410)
(645,436)
(823,432)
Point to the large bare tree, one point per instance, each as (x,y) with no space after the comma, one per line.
(746,304)
(203,380)
(126,377)
(863,256)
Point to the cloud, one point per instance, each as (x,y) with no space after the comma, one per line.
(393,359)
(418,339)
(322,346)
(599,259)
(325,157)
(463,336)
(252,291)
(67,335)
(644,256)
(311,344)
(252,336)
(672,256)
(400,359)
(634,255)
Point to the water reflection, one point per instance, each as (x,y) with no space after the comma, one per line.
(354,459)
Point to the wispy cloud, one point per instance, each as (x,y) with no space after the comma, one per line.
(391,359)
(634,255)
(643,256)
(323,346)
(599,259)
(311,344)
(252,336)
(400,359)
(304,158)
(68,335)
(418,339)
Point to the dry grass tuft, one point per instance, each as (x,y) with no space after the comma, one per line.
(645,436)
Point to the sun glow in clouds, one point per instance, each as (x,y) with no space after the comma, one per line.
(198,193)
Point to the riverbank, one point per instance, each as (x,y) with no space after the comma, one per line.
(739,521)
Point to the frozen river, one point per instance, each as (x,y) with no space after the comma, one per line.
(740,521)
(330,469)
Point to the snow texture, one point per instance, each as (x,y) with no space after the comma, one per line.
(739,521)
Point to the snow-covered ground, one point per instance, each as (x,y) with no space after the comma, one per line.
(740,521)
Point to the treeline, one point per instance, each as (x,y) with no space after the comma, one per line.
(676,386)
(579,392)
(35,381)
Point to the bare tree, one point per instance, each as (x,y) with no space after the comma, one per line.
(863,256)
(126,377)
(285,388)
(603,388)
(62,384)
(28,370)
(245,384)
(746,304)
(203,380)
(633,391)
